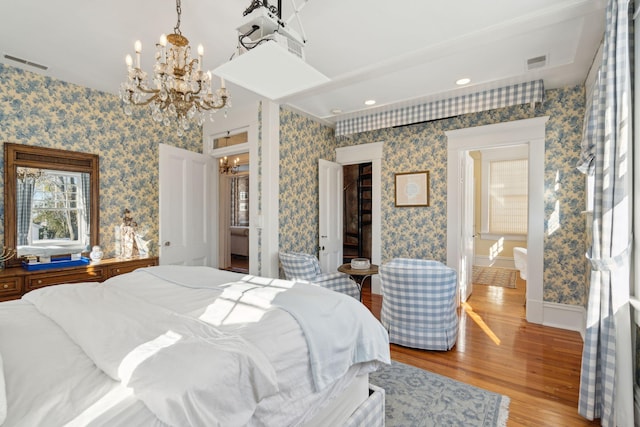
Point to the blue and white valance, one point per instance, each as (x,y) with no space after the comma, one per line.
(521,93)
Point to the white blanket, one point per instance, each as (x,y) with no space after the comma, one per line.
(3,396)
(339,330)
(143,345)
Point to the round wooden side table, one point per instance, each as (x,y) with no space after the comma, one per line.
(358,275)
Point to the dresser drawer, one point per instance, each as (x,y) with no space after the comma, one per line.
(10,286)
(35,281)
(129,266)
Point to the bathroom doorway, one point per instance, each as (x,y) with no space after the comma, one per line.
(233,205)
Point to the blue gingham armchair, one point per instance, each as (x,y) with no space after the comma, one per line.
(299,266)
(419,307)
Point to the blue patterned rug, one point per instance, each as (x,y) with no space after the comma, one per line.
(418,398)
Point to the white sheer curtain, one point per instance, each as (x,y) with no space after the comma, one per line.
(606,382)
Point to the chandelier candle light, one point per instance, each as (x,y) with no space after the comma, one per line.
(182,90)
(226,168)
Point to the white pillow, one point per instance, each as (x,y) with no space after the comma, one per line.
(3,397)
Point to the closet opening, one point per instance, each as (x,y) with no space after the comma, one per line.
(357,215)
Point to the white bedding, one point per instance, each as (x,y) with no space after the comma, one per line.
(319,312)
(51,377)
(3,396)
(138,343)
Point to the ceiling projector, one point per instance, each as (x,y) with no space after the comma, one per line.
(270,59)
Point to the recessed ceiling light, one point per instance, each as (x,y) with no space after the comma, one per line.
(370,102)
(336,111)
(463,81)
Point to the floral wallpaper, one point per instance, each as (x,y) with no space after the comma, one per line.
(302,142)
(421,232)
(39,110)
(42,111)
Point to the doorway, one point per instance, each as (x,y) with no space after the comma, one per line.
(532,133)
(369,153)
(357,211)
(238,194)
(233,204)
(500,204)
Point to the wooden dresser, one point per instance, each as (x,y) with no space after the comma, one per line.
(16,281)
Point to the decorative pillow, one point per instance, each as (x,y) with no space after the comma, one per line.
(3,397)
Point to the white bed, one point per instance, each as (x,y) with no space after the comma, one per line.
(186,346)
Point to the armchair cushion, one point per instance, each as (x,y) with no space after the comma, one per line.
(419,307)
(300,266)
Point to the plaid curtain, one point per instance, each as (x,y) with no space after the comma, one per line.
(606,384)
(24,201)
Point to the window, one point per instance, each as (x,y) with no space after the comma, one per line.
(505,195)
(58,208)
(508,196)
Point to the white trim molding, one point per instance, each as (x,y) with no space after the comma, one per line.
(564,316)
(488,261)
(237,120)
(364,153)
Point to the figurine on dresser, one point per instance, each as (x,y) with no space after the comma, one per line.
(128,241)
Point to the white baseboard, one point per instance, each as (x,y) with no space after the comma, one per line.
(564,316)
(487,261)
(535,311)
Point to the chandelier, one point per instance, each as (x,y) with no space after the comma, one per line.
(226,168)
(181,91)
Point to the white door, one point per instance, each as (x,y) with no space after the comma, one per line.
(185,206)
(331,193)
(467,230)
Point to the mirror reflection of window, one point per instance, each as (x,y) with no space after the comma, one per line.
(239,201)
(52,211)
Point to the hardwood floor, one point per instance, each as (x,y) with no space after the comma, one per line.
(538,367)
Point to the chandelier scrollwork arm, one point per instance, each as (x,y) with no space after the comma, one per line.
(181,91)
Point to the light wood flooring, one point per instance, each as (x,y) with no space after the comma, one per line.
(538,367)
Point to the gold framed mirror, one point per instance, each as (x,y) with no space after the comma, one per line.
(51,201)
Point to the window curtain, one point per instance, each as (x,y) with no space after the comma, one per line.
(24,202)
(520,93)
(606,383)
(234,201)
(86,197)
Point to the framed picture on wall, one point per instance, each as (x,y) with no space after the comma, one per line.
(412,189)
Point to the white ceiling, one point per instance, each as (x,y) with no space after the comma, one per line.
(396,52)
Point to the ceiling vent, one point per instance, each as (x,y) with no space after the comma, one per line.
(25,62)
(537,62)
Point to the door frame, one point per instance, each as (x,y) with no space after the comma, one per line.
(365,153)
(532,133)
(467,235)
(222,221)
(237,120)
